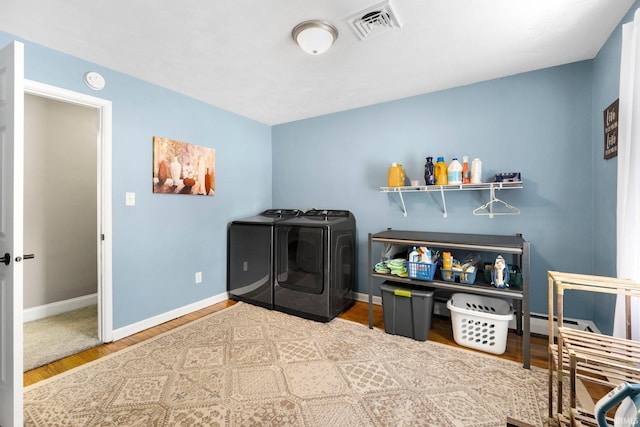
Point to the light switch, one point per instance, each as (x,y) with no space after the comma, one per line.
(130,199)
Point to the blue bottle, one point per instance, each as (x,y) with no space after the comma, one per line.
(429,177)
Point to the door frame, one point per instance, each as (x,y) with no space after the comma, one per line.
(104,229)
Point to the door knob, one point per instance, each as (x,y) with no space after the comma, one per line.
(20,258)
(6,259)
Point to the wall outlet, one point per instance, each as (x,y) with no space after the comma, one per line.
(199,277)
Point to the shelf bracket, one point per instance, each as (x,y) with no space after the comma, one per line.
(486,209)
(444,203)
(404,208)
(435,200)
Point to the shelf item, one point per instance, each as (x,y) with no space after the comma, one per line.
(407,312)
(587,356)
(487,208)
(491,186)
(421,270)
(514,245)
(458,276)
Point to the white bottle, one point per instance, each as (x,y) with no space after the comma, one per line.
(455,172)
(476,171)
(414,256)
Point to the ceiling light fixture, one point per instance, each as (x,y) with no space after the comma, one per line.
(315,37)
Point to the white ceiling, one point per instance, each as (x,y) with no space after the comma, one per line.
(239,54)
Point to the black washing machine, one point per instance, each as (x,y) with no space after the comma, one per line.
(315,264)
(250,256)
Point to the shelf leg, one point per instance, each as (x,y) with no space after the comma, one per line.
(444,203)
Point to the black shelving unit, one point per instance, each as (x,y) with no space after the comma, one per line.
(515,245)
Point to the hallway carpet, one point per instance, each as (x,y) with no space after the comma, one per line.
(55,337)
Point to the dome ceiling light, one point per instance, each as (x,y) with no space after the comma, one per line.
(314,37)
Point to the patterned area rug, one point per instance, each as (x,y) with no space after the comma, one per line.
(248,366)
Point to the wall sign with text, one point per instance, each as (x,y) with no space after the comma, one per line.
(611,130)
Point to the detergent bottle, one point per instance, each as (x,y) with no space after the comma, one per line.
(429,172)
(454,172)
(396,175)
(441,172)
(476,171)
(414,256)
(466,172)
(447,265)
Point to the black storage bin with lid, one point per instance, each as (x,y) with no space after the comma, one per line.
(407,311)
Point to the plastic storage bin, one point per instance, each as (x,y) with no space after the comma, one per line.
(515,274)
(480,322)
(421,270)
(458,276)
(407,312)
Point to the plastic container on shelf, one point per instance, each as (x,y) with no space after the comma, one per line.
(429,172)
(476,171)
(407,312)
(396,175)
(480,322)
(454,172)
(466,172)
(458,276)
(441,172)
(421,270)
(447,260)
(414,256)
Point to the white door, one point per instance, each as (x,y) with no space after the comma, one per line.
(11,185)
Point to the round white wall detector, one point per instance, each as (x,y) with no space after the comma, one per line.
(94,80)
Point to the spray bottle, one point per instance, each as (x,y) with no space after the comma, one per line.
(466,173)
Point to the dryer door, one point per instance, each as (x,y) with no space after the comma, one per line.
(249,263)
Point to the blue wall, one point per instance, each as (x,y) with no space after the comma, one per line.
(536,123)
(606,73)
(160,243)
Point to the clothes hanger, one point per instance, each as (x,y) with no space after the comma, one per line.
(511,210)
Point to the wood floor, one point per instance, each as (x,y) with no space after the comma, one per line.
(440,332)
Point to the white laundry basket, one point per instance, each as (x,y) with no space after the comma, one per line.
(480,322)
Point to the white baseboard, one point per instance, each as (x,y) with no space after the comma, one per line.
(365,298)
(539,322)
(42,311)
(134,328)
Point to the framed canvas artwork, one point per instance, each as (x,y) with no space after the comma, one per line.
(183,168)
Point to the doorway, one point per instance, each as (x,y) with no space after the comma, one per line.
(67,205)
(60,223)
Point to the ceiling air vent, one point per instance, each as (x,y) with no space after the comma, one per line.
(374,20)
